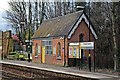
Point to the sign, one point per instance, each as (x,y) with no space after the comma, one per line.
(74,44)
(73,51)
(87,45)
(70,50)
(75,48)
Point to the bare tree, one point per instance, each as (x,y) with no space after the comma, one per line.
(24,16)
(104,19)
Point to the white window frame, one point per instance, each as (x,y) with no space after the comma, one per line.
(47,45)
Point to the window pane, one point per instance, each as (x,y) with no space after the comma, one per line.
(50,42)
(59,49)
(36,51)
(48,46)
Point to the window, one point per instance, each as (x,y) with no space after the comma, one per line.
(81,40)
(36,50)
(81,37)
(39,50)
(48,46)
(59,50)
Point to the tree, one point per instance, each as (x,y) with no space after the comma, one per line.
(104,17)
(24,16)
(115,30)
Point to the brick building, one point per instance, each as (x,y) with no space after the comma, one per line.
(7,43)
(51,42)
(10,43)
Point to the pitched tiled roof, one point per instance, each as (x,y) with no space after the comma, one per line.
(58,26)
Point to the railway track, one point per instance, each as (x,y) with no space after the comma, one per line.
(11,71)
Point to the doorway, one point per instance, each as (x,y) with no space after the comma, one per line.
(43,54)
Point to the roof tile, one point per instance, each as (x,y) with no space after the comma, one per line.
(57,26)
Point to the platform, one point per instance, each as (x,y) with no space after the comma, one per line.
(64,70)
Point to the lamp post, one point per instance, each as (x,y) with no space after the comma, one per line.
(22,26)
(30,23)
(21,35)
(89,59)
(80,59)
(29,46)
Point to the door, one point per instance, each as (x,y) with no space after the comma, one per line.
(43,54)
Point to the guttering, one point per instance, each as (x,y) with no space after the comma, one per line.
(64,51)
(50,37)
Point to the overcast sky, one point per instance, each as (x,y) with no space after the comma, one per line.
(3,23)
(4,4)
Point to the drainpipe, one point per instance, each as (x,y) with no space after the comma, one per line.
(94,54)
(64,51)
(79,54)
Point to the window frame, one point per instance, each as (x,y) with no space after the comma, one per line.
(36,50)
(81,39)
(48,46)
(59,57)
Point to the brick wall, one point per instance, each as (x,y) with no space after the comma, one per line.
(55,45)
(50,59)
(7,43)
(84,30)
(39,56)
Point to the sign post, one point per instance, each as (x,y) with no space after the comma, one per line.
(88,45)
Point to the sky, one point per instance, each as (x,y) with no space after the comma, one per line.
(3,23)
(4,4)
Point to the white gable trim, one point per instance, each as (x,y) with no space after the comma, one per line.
(76,25)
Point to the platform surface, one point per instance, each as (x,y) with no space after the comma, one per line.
(65,70)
